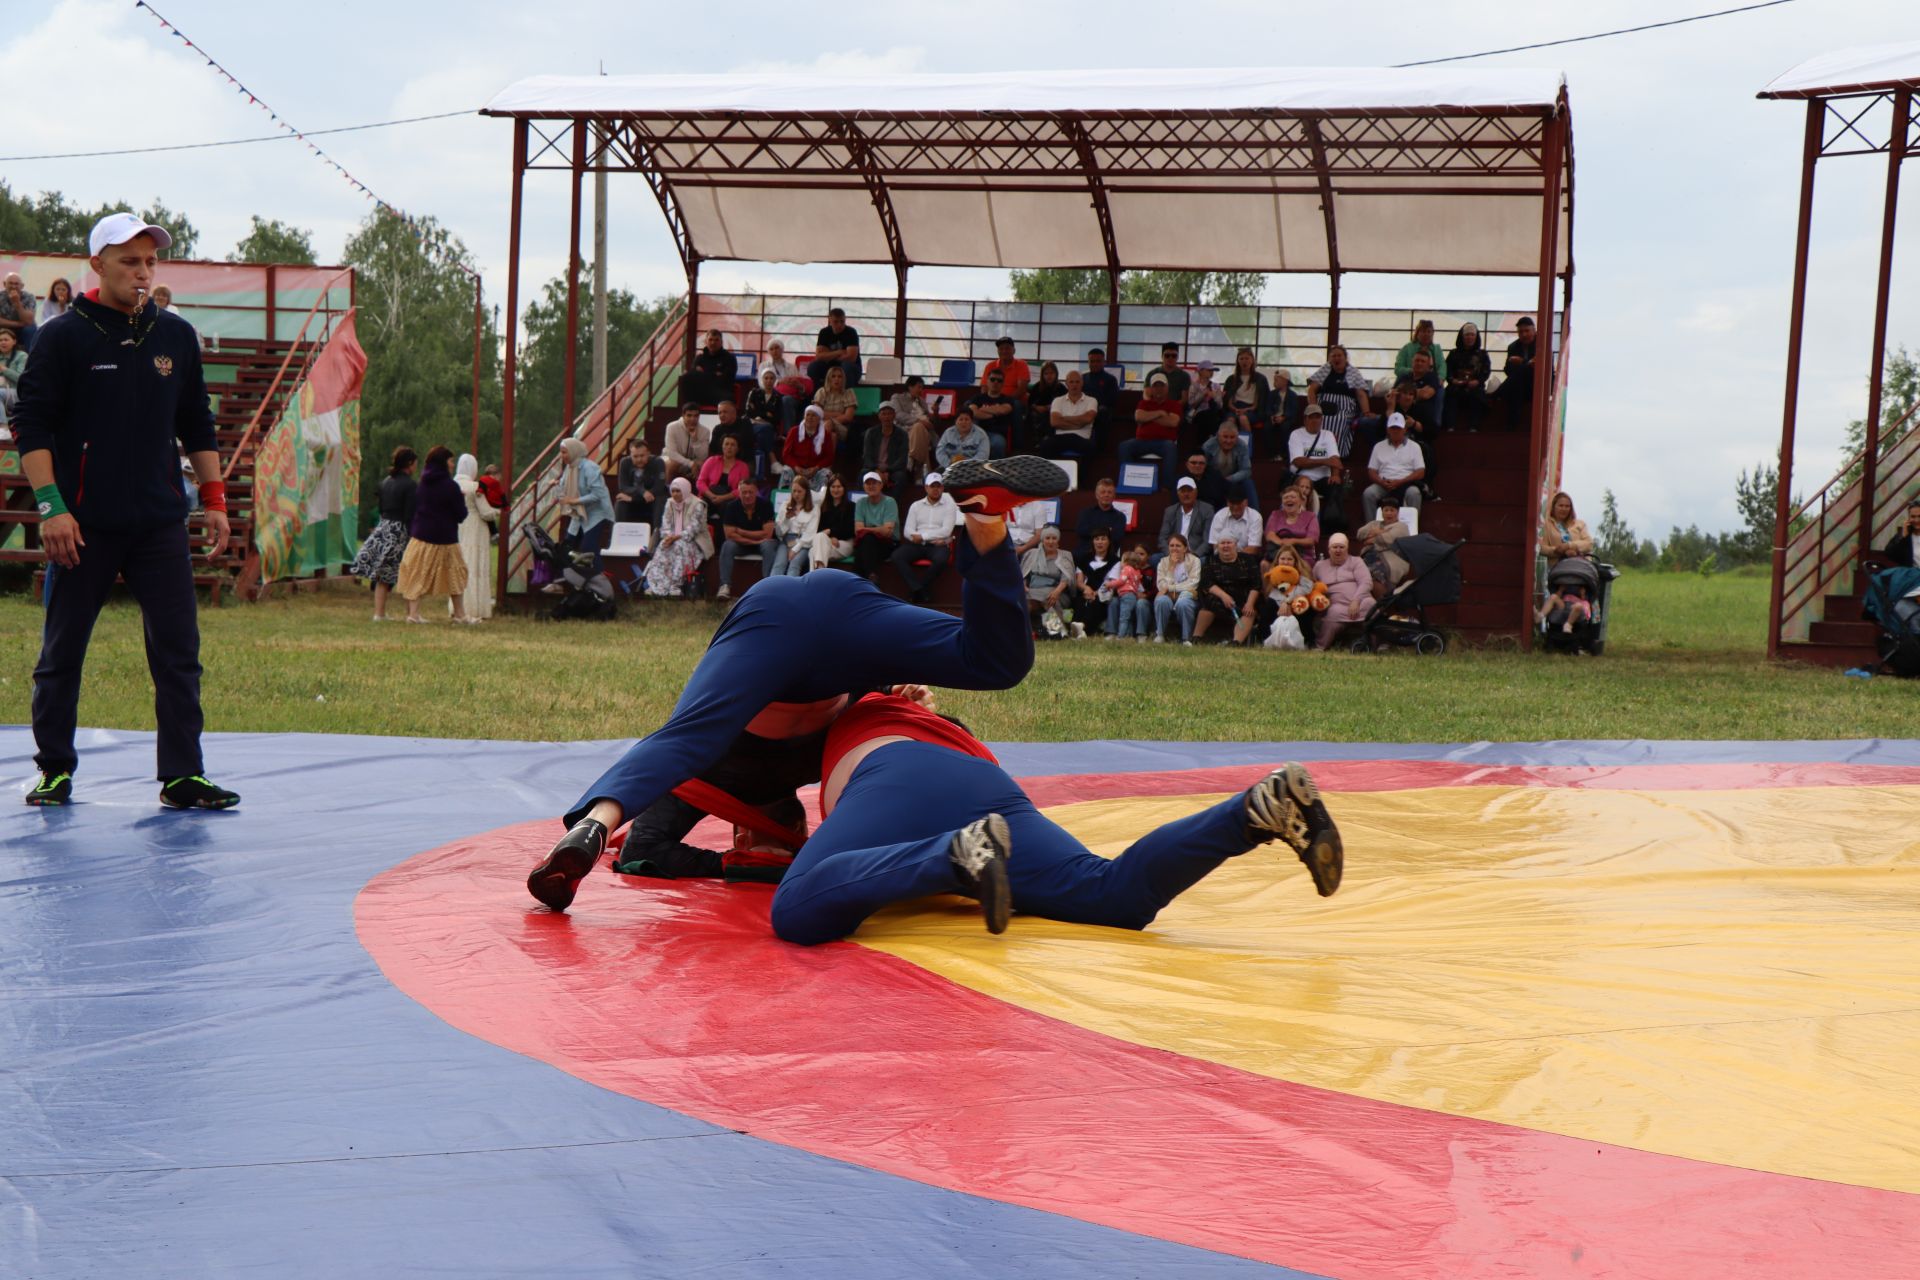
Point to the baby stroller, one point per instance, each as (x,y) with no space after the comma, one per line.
(1596,582)
(1888,604)
(587,594)
(1399,617)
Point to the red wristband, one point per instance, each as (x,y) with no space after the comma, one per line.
(213,495)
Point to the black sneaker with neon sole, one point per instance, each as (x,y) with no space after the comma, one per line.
(195,792)
(997,486)
(52,789)
(558,877)
(1285,805)
(980,851)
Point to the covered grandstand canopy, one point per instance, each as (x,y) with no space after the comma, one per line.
(1270,169)
(1866,69)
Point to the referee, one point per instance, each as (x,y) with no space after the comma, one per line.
(111,386)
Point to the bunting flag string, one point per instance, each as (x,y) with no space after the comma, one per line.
(412,224)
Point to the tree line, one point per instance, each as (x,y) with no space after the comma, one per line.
(414,294)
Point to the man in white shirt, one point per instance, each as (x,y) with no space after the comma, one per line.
(962,440)
(1396,466)
(1238,521)
(926,539)
(1071,417)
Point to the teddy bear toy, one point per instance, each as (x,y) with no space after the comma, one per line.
(1285,578)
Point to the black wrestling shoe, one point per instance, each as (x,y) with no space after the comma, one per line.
(996,487)
(195,792)
(53,789)
(980,852)
(554,881)
(1286,805)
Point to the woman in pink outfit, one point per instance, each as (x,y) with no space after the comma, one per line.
(1349,583)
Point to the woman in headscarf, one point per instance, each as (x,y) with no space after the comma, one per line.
(584,497)
(809,449)
(683,544)
(475,546)
(432,565)
(1468,368)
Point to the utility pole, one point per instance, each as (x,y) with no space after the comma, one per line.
(599,259)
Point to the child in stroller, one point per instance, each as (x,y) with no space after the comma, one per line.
(1566,608)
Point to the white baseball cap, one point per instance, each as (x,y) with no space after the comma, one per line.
(872,475)
(1396,420)
(118,228)
(1186,482)
(933,477)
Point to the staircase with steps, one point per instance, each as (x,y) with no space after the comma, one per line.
(239,378)
(1818,621)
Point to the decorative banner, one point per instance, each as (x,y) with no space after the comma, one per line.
(306,476)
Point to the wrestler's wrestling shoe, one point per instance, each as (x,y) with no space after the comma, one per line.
(979,852)
(554,881)
(996,487)
(1286,805)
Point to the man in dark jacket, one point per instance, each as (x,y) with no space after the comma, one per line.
(112,386)
(1904,549)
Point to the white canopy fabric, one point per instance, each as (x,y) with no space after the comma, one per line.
(1870,67)
(1429,171)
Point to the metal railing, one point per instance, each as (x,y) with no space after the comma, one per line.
(1290,338)
(1824,546)
(650,380)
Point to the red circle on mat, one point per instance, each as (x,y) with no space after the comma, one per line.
(677,994)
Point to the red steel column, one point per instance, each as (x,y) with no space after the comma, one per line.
(1896,152)
(1543,377)
(1796,321)
(573,277)
(513,340)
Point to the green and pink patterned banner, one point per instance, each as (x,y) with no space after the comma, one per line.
(306,476)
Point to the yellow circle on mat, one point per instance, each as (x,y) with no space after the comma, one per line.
(1731,976)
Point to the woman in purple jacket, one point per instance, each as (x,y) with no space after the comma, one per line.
(433,565)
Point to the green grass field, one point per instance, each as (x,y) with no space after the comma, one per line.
(1686,659)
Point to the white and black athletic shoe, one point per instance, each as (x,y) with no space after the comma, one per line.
(1285,805)
(559,875)
(980,851)
(997,486)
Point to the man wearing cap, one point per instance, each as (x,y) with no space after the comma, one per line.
(112,395)
(1178,379)
(1156,430)
(1189,517)
(876,525)
(885,449)
(1315,451)
(1396,466)
(1015,377)
(1239,521)
(926,539)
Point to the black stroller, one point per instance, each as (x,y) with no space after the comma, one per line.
(585,594)
(1399,618)
(1595,581)
(1888,604)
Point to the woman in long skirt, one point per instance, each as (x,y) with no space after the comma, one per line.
(433,565)
(683,544)
(379,557)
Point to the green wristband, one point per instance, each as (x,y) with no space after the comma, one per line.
(47,497)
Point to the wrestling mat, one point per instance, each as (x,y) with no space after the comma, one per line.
(1580,1009)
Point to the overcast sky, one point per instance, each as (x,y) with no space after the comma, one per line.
(1686,184)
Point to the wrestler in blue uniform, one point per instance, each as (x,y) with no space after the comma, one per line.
(825,635)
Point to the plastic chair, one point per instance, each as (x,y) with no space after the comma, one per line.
(866,400)
(957,373)
(747,367)
(882,371)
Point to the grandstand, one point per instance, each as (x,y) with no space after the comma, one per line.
(1322,171)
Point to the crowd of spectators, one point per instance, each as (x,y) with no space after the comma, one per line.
(771,478)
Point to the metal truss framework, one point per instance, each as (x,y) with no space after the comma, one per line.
(1879,121)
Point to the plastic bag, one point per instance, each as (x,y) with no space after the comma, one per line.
(1286,633)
